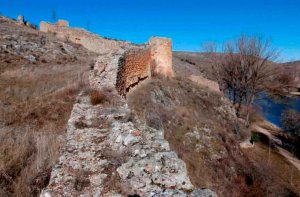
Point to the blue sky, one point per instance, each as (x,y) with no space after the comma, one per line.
(189,23)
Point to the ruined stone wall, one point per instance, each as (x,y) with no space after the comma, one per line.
(205,82)
(134,66)
(161,55)
(135,63)
(88,162)
(92,42)
(62,23)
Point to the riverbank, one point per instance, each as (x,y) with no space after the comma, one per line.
(273,134)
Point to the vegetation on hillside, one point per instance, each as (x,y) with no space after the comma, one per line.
(40,78)
(201,127)
(246,69)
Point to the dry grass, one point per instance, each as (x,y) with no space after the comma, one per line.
(181,107)
(98,97)
(275,170)
(36,99)
(34,109)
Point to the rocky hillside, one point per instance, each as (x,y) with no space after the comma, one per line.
(40,77)
(76,136)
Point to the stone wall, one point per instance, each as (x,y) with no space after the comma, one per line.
(134,66)
(92,42)
(136,63)
(62,23)
(125,70)
(205,82)
(106,153)
(161,55)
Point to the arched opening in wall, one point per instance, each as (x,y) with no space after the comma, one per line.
(134,67)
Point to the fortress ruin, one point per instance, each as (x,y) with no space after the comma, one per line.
(131,63)
(92,42)
(137,65)
(151,168)
(134,66)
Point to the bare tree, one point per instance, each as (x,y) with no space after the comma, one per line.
(284,81)
(244,69)
(291,122)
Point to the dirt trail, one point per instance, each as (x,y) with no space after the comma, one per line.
(277,142)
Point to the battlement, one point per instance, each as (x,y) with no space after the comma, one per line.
(134,66)
(62,23)
(92,42)
(124,71)
(140,64)
(161,55)
(121,64)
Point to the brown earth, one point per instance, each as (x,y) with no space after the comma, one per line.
(40,77)
(201,127)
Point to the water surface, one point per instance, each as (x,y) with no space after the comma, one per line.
(272,107)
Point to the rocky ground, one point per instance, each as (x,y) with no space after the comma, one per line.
(109,152)
(170,137)
(200,125)
(40,78)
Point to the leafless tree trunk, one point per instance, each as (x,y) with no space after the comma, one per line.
(244,69)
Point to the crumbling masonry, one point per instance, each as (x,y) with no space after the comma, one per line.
(110,154)
(136,62)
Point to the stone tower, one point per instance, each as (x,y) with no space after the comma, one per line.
(62,23)
(21,20)
(161,55)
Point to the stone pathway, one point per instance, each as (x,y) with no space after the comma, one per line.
(108,152)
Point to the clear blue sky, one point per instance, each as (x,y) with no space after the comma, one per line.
(188,22)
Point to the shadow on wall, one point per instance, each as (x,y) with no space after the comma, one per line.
(134,66)
(138,65)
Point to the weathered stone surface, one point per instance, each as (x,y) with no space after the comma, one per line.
(161,54)
(21,20)
(104,73)
(108,152)
(92,42)
(134,66)
(203,193)
(62,23)
(155,173)
(144,163)
(135,62)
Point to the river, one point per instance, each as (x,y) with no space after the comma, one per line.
(272,107)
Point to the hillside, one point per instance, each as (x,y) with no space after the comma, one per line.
(83,115)
(40,77)
(295,68)
(201,127)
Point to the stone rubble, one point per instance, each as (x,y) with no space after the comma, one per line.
(110,152)
(101,137)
